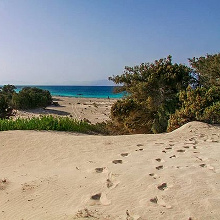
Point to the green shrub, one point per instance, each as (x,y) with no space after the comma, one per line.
(151,90)
(211,114)
(127,117)
(3,105)
(200,104)
(29,98)
(207,69)
(51,123)
(8,91)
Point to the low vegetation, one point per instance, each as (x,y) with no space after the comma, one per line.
(6,94)
(50,123)
(27,98)
(198,104)
(152,95)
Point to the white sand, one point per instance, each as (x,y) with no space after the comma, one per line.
(93,109)
(54,175)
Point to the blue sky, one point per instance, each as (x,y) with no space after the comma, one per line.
(60,42)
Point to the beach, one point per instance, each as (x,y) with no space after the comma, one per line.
(62,175)
(92,109)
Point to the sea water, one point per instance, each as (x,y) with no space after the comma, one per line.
(80,91)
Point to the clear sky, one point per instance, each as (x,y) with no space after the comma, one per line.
(71,42)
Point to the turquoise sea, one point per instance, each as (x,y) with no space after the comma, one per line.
(79,91)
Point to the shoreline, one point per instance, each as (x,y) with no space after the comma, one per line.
(81,97)
(79,91)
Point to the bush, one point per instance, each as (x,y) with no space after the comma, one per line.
(127,117)
(3,106)
(211,114)
(207,69)
(152,90)
(8,91)
(200,104)
(50,123)
(29,98)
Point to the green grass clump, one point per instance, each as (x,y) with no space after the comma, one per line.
(50,123)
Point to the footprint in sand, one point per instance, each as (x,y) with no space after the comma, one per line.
(154,200)
(96,196)
(109,183)
(159,160)
(124,154)
(160,201)
(100,197)
(159,167)
(181,151)
(139,145)
(155,176)
(207,166)
(117,161)
(203,165)
(3,184)
(186,147)
(99,169)
(215,141)
(199,158)
(140,149)
(162,186)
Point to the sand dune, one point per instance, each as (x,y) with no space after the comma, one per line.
(58,175)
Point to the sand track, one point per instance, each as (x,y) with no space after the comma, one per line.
(93,109)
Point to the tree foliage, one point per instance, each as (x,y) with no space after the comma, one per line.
(203,102)
(200,104)
(29,98)
(6,93)
(152,90)
(3,106)
(208,69)
(8,89)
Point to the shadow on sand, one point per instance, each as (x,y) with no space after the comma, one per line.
(48,111)
(57,99)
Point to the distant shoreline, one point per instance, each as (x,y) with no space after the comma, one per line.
(82,97)
(79,91)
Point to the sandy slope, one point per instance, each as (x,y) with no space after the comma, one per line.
(51,175)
